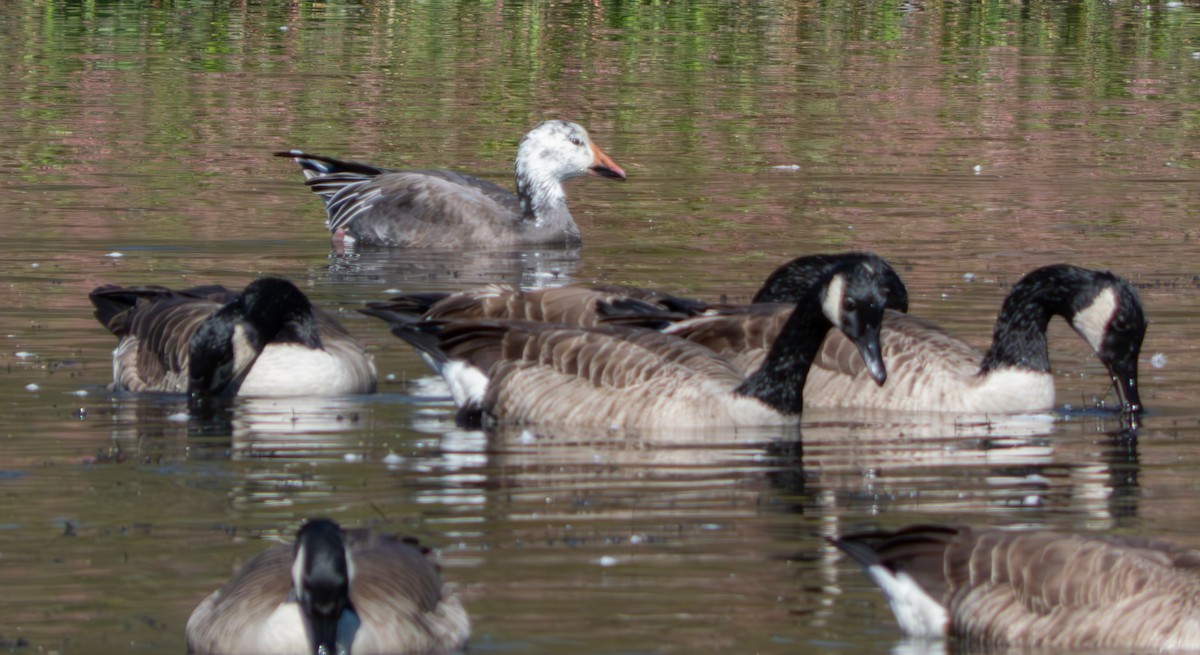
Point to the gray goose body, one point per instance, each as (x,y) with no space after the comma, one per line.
(372,205)
(930,370)
(387,599)
(213,342)
(526,372)
(1036,589)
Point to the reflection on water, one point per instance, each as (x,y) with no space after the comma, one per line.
(440,269)
(966,142)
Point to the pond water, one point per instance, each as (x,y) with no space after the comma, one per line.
(966,142)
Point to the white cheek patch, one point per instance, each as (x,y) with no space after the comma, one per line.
(298,570)
(831,304)
(243,350)
(1092,321)
(350,567)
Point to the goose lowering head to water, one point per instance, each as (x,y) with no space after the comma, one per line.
(932,371)
(530,372)
(334,592)
(211,342)
(371,205)
(1035,589)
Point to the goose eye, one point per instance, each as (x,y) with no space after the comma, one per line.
(576,141)
(850,304)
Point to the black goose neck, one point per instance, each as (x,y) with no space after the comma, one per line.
(323,583)
(779,382)
(1019,337)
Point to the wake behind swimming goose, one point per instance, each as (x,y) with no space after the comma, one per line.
(210,341)
(372,205)
(334,592)
(1035,589)
(526,372)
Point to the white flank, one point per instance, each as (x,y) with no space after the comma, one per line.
(468,384)
(831,304)
(1008,390)
(918,614)
(294,370)
(1092,321)
(285,631)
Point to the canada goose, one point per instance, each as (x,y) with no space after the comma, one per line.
(589,306)
(524,371)
(929,370)
(573,304)
(372,205)
(212,342)
(1035,589)
(334,592)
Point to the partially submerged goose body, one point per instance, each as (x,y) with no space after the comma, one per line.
(1035,589)
(267,340)
(523,371)
(372,205)
(333,592)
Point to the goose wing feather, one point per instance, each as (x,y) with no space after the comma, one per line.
(1054,590)
(570,305)
(233,620)
(542,372)
(1059,590)
(399,598)
(155,326)
(744,334)
(908,343)
(418,207)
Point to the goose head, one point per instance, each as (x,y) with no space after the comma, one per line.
(857,292)
(556,151)
(790,282)
(222,349)
(1108,314)
(849,296)
(280,311)
(321,573)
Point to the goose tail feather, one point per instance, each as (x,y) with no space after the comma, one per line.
(314,165)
